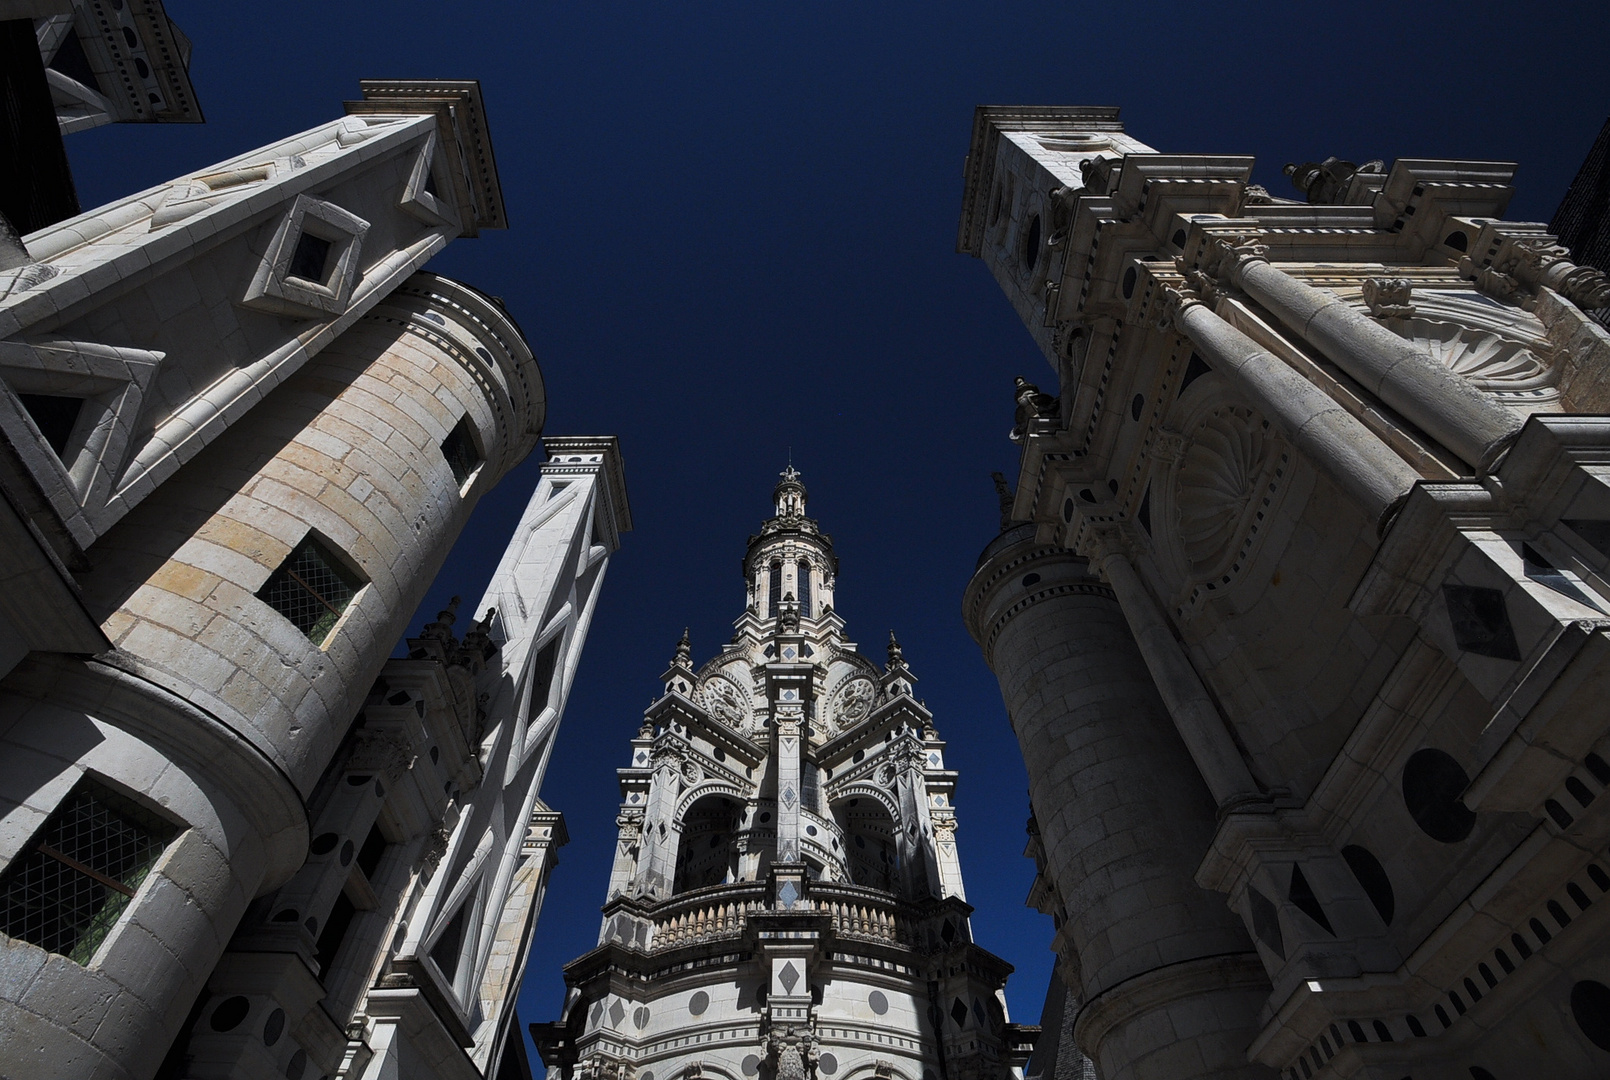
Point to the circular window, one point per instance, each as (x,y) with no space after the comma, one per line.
(1030,579)
(230,1012)
(698,1003)
(640,1017)
(1129,282)
(751,1065)
(827,1063)
(273,1027)
(296,1066)
(323,843)
(1067,510)
(347,850)
(810,830)
(1590,1006)
(878,1003)
(1457,240)
(1432,784)
(1178,239)
(1031,244)
(1137,406)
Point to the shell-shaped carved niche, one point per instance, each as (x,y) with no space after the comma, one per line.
(1495,363)
(1222,475)
(725,701)
(1215,502)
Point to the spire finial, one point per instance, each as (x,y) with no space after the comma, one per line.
(684,650)
(789,494)
(897,657)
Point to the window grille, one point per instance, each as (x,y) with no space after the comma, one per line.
(459,450)
(311,588)
(775,590)
(67,889)
(804,589)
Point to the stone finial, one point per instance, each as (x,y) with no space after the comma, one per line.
(897,657)
(1328,181)
(442,627)
(789,495)
(1003,492)
(684,651)
(1032,405)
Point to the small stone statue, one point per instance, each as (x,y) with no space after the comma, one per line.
(1003,493)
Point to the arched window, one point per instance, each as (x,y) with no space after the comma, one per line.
(870,848)
(804,589)
(774,588)
(706,855)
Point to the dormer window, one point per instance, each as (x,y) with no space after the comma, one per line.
(311,259)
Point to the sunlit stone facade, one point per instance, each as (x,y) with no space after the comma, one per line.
(240,430)
(1299,609)
(786,900)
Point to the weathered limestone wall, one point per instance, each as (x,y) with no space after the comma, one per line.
(1123,815)
(213,703)
(348,449)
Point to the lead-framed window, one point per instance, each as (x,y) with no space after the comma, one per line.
(71,883)
(312,588)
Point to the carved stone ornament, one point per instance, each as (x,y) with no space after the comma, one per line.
(1032,405)
(1222,471)
(1494,363)
(725,701)
(383,752)
(793,1051)
(1388,298)
(886,774)
(1227,253)
(691,773)
(853,701)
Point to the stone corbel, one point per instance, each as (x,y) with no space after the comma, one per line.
(1227,254)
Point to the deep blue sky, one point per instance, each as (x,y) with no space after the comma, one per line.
(732,232)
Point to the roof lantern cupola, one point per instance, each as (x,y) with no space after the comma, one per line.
(787,826)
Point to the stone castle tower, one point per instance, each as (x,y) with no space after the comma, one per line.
(1300,608)
(786,900)
(240,429)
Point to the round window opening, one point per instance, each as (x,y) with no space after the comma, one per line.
(1432,784)
(1590,1007)
(698,1003)
(1129,282)
(230,1012)
(878,1002)
(1031,243)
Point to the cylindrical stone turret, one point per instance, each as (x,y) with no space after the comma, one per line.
(1169,980)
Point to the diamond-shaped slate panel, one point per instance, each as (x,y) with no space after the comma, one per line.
(789,976)
(617,1013)
(958,1012)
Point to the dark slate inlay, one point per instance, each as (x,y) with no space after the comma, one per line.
(1480,621)
(1266,922)
(1372,878)
(1301,895)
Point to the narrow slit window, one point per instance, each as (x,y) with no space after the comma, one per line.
(542,676)
(774,590)
(55,417)
(311,588)
(460,451)
(310,260)
(804,574)
(448,947)
(72,882)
